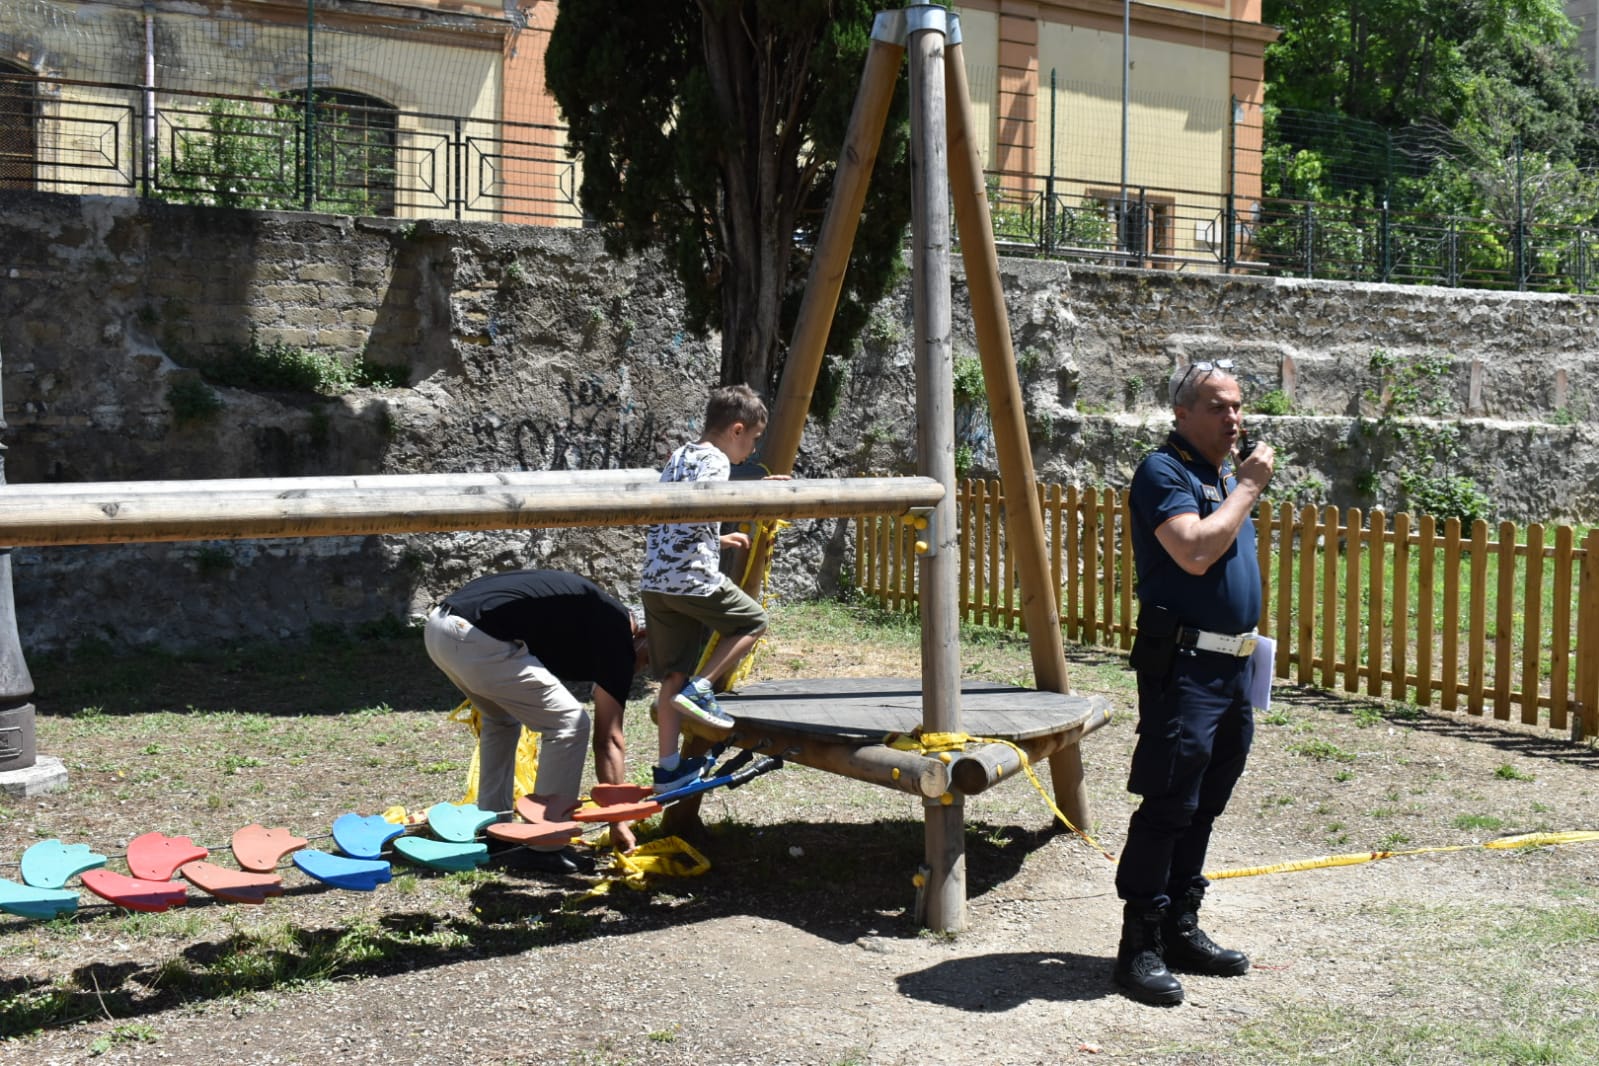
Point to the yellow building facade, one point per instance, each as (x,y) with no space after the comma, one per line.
(1162,154)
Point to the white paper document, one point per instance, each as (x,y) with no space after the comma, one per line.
(1260,682)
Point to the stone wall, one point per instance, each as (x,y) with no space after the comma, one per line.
(525,348)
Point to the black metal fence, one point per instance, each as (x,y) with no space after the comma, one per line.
(368,158)
(250,151)
(1180,229)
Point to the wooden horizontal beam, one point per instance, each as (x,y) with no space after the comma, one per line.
(268,486)
(981,768)
(95,517)
(905,771)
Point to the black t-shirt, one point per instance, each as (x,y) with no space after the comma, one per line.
(571,625)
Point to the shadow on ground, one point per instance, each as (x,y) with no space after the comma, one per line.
(847,881)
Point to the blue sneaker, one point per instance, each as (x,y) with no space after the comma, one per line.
(687,772)
(700,703)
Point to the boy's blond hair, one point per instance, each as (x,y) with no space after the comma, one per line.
(733,403)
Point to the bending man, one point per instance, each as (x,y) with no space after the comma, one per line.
(504,639)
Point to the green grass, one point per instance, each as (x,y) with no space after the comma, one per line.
(1474,950)
(1322,751)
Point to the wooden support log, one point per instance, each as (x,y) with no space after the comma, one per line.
(330,484)
(943,896)
(93,518)
(975,771)
(905,771)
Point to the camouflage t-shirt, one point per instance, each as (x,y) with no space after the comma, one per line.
(686,559)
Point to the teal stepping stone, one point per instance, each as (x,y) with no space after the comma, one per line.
(357,875)
(442,854)
(30,901)
(363,838)
(51,864)
(460,822)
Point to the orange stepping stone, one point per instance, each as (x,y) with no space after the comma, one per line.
(260,849)
(536,808)
(617,812)
(156,857)
(611,795)
(534,832)
(134,893)
(234,886)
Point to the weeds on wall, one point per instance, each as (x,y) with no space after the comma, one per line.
(192,401)
(289,368)
(1422,456)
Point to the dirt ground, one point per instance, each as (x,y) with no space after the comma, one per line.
(798,946)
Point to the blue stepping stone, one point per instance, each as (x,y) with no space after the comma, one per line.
(357,875)
(30,901)
(51,864)
(363,838)
(459,822)
(442,854)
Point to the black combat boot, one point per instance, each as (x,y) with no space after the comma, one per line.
(1190,950)
(1140,969)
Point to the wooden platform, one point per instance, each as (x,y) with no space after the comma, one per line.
(839,724)
(864,709)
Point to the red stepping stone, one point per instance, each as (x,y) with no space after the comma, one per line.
(258,848)
(156,857)
(234,886)
(134,893)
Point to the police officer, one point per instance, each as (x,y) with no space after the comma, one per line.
(1199,601)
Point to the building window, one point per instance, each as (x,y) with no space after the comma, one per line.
(355,151)
(1145,225)
(19,114)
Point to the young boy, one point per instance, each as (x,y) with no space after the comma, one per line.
(685,591)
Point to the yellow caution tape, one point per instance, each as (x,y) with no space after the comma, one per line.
(527,754)
(1524,840)
(398,815)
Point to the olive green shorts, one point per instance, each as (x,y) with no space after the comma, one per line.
(676,624)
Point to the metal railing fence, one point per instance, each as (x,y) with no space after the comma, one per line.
(224,149)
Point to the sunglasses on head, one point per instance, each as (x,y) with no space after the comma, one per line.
(1205,367)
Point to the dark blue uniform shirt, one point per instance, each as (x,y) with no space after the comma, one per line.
(1175,480)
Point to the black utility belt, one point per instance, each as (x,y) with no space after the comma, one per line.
(1241,645)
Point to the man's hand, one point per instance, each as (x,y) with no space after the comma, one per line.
(622,836)
(1258,468)
(735,540)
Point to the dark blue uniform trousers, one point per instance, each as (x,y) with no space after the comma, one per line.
(1195,726)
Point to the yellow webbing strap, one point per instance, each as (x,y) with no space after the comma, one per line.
(1524,840)
(664,857)
(527,754)
(765,531)
(933,743)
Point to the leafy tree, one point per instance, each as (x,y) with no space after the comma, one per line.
(712,128)
(1365,95)
(1397,62)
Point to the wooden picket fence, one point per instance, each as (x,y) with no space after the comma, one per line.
(1396,606)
